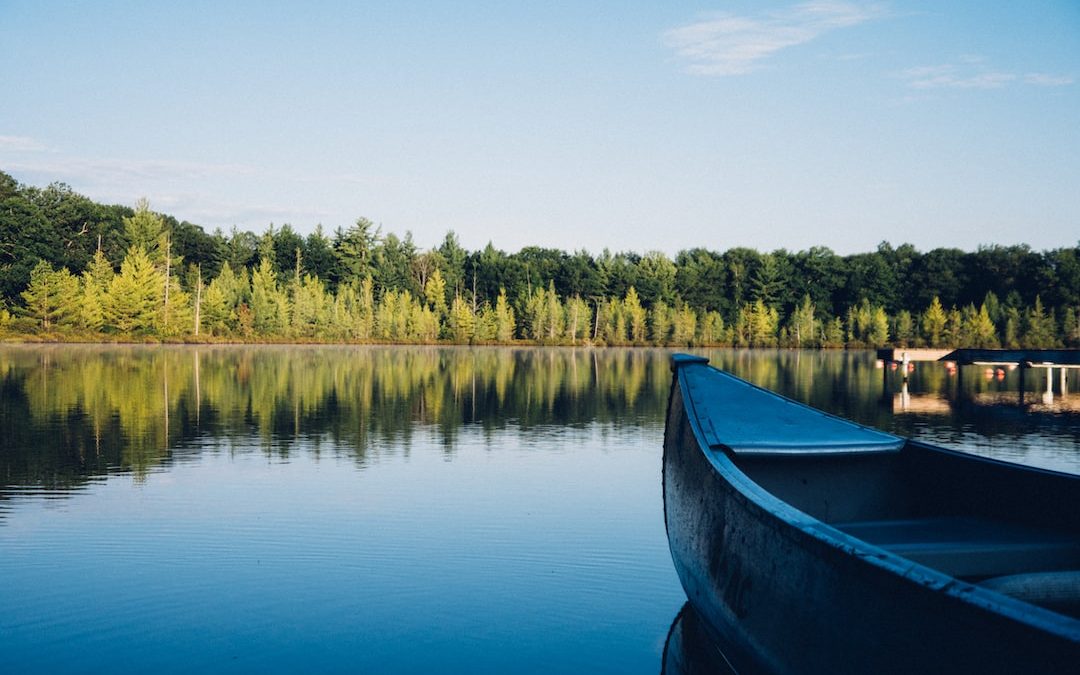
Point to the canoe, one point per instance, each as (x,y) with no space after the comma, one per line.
(809,543)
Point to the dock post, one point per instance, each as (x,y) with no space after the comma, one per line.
(1023,371)
(1048,396)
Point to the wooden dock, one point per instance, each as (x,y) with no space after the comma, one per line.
(1063,359)
(898,354)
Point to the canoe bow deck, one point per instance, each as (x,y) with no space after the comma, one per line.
(815,544)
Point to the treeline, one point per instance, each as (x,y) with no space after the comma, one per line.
(72,268)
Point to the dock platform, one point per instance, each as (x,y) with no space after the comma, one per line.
(1029,358)
(897,354)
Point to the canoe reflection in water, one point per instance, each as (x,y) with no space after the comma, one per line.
(691,650)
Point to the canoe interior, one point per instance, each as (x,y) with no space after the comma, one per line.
(970,518)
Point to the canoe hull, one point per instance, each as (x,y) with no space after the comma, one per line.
(792,599)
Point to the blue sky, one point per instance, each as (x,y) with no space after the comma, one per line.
(632,126)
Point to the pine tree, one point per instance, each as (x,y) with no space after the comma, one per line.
(135,295)
(612,322)
(802,325)
(833,334)
(1040,328)
(504,318)
(954,325)
(764,324)
(176,316)
(879,328)
(52,298)
(144,228)
(712,330)
(979,329)
(462,322)
(578,319)
(556,316)
(684,326)
(904,329)
(216,315)
(310,307)
(933,323)
(92,306)
(364,329)
(1012,328)
(661,322)
(635,316)
(435,292)
(269,306)
(1070,328)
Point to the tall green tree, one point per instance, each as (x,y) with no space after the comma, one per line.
(933,323)
(52,298)
(636,316)
(1039,327)
(269,304)
(803,324)
(504,318)
(135,294)
(144,228)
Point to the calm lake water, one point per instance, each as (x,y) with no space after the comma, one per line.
(389,509)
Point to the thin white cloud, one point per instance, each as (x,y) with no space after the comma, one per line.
(970,73)
(108,169)
(952,76)
(184,188)
(20,144)
(727,44)
(1047,80)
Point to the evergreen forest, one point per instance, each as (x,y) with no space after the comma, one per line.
(73,269)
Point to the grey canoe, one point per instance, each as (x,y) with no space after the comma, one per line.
(809,543)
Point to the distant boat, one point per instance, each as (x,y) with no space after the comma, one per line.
(808,543)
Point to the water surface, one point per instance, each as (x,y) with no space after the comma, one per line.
(387,508)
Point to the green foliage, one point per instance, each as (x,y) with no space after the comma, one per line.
(904,329)
(660,323)
(504,318)
(144,228)
(269,305)
(52,298)
(362,285)
(1039,327)
(933,323)
(978,330)
(803,325)
(545,316)
(1070,328)
(878,334)
(713,332)
(578,320)
(684,325)
(757,325)
(435,292)
(462,321)
(135,295)
(217,317)
(635,316)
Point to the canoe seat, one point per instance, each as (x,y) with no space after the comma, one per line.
(1057,591)
(970,547)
